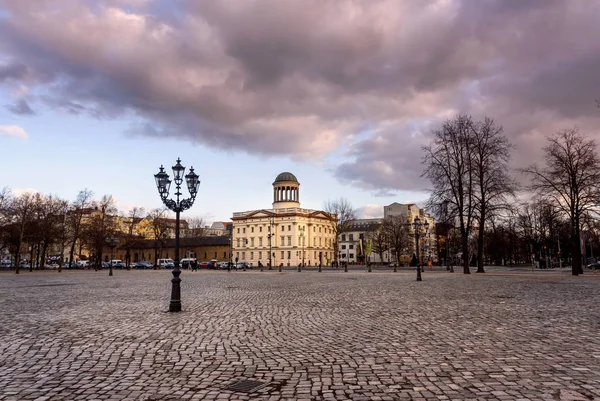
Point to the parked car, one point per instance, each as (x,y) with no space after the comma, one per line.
(144,265)
(223,265)
(203,265)
(105,265)
(52,266)
(132,265)
(595,265)
(212,264)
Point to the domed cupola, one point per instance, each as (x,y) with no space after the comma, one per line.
(286,191)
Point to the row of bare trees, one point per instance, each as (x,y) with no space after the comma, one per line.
(46,226)
(472,189)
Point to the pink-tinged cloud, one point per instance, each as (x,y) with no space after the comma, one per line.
(304,78)
(13,131)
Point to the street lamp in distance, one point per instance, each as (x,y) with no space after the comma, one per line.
(112,242)
(418,226)
(177,205)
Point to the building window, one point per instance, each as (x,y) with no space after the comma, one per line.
(351,256)
(343,237)
(224,255)
(269,228)
(243,255)
(290,240)
(314,229)
(252,241)
(204,255)
(289,228)
(319,229)
(259,255)
(282,254)
(289,254)
(238,242)
(314,242)
(343,255)
(216,255)
(343,246)
(251,229)
(282,228)
(361,236)
(259,241)
(260,229)
(237,254)
(350,246)
(350,237)
(315,254)
(244,230)
(251,255)
(282,241)
(320,241)
(238,230)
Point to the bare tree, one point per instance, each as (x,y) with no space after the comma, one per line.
(491,153)
(21,212)
(380,242)
(134,216)
(79,208)
(102,223)
(341,213)
(449,165)
(6,198)
(160,229)
(570,180)
(195,227)
(396,231)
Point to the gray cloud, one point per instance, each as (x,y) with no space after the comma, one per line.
(21,107)
(304,77)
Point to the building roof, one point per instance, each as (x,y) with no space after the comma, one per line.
(183,242)
(285,176)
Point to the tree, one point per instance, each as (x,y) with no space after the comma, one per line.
(134,216)
(79,208)
(570,180)
(6,199)
(380,242)
(396,231)
(491,153)
(102,224)
(341,213)
(160,228)
(195,228)
(449,165)
(21,211)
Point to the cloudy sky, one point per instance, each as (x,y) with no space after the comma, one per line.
(100,93)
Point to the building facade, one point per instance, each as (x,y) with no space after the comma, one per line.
(286,234)
(409,212)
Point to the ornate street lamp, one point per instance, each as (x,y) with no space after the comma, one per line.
(302,242)
(112,242)
(417,225)
(163,183)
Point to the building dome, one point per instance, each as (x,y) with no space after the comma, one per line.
(286,177)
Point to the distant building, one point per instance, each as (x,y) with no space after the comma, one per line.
(409,212)
(285,234)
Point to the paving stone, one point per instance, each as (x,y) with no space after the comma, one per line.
(81,335)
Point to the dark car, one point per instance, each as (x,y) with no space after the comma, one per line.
(144,265)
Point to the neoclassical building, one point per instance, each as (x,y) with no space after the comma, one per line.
(286,233)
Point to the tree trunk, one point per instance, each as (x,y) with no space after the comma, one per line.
(465,249)
(480,250)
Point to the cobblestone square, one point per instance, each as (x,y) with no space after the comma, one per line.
(82,335)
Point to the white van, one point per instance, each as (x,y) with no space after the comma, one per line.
(165,263)
(83,263)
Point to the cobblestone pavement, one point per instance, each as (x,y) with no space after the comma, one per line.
(331,336)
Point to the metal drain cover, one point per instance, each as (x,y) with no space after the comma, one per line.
(246,386)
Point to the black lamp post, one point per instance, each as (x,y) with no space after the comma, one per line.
(112,242)
(417,226)
(163,183)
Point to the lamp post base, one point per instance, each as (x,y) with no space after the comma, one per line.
(419,273)
(175,304)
